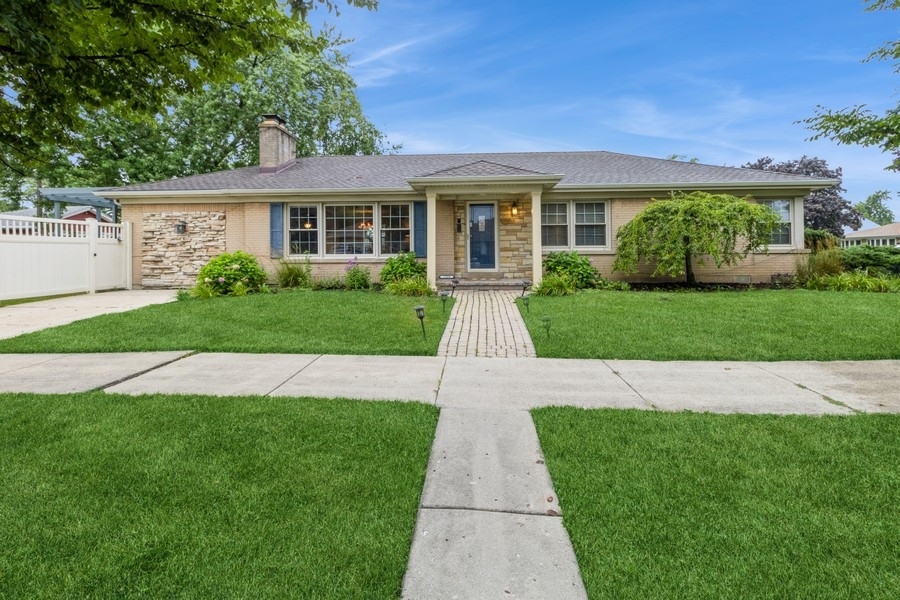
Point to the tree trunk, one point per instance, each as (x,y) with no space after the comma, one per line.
(689,269)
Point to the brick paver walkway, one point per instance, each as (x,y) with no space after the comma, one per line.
(487,324)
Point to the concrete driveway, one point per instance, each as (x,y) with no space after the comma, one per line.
(32,316)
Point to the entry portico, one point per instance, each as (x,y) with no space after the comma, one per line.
(491,207)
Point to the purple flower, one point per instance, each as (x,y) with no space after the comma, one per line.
(221,280)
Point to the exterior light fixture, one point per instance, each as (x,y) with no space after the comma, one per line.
(180,228)
(453,284)
(525,285)
(444,295)
(515,208)
(420,312)
(526,300)
(546,322)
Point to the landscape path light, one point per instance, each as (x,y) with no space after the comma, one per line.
(525,285)
(526,300)
(444,295)
(420,312)
(453,284)
(546,321)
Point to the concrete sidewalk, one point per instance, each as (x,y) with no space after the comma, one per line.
(32,316)
(483,383)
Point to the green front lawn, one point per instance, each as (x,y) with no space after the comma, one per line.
(289,322)
(105,496)
(680,505)
(763,325)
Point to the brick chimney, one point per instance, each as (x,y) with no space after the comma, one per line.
(277,145)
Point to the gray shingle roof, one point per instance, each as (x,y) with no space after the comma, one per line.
(891,229)
(606,169)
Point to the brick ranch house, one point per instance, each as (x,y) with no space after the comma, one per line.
(479,217)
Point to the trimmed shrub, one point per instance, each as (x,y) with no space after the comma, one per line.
(874,259)
(577,268)
(402,266)
(230,274)
(327,283)
(555,285)
(411,286)
(819,240)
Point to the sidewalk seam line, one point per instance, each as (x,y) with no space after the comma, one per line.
(303,368)
(631,387)
(145,371)
(824,398)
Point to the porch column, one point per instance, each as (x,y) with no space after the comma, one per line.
(431,237)
(537,270)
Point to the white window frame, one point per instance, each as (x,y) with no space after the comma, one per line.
(790,222)
(571,225)
(374,232)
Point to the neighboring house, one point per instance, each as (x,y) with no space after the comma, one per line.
(886,235)
(478,217)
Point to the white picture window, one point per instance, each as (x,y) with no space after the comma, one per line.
(781,235)
(338,229)
(588,224)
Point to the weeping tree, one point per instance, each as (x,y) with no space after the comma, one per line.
(672,233)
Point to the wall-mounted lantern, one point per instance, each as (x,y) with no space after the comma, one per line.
(180,228)
(515,208)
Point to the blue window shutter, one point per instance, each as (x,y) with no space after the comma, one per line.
(276,229)
(420,228)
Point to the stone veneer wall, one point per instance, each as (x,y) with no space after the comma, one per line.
(171,260)
(514,244)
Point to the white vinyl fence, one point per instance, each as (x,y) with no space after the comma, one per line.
(45,257)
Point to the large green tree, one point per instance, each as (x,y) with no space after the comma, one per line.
(857,124)
(218,128)
(875,209)
(63,59)
(670,234)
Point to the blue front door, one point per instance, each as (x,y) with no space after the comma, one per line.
(482,237)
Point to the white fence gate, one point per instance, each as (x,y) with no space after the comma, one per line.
(45,257)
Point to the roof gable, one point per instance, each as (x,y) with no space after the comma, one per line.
(482,168)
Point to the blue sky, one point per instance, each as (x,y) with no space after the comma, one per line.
(723,81)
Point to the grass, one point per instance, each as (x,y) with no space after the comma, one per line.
(35,299)
(106,496)
(299,322)
(757,325)
(681,505)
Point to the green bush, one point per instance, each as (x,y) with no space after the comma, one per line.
(229,274)
(555,285)
(817,264)
(874,259)
(603,283)
(819,240)
(411,286)
(327,283)
(577,268)
(854,281)
(402,266)
(357,277)
(294,275)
